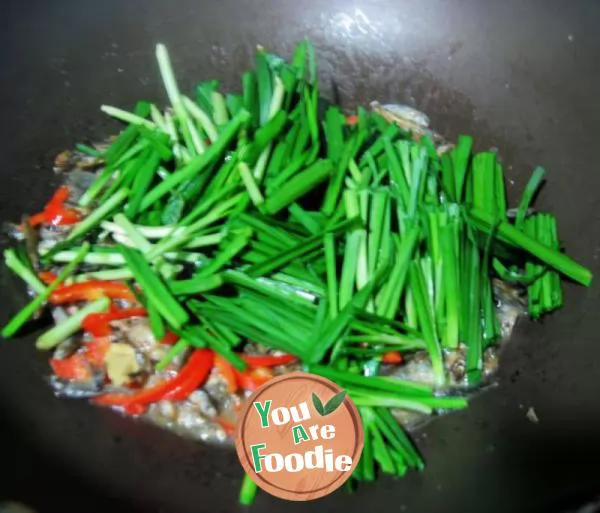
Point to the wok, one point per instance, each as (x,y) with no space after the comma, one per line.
(521,76)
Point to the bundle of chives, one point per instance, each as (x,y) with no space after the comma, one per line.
(249,217)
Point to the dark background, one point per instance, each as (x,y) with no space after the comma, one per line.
(522,76)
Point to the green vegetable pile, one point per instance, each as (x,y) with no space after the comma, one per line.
(266,216)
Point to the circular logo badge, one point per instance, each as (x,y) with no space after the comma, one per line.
(299,437)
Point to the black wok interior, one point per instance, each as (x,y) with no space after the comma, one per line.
(520,75)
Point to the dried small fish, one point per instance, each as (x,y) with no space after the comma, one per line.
(444,148)
(77,389)
(67,161)
(510,306)
(217,388)
(190,418)
(202,400)
(67,348)
(255,349)
(409,119)
(63,161)
(417,369)
(455,363)
(406,113)
(491,361)
(135,331)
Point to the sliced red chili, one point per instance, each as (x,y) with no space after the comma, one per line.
(55,211)
(60,196)
(392,357)
(151,394)
(98,324)
(268,360)
(169,339)
(352,119)
(61,216)
(254,378)
(74,367)
(91,290)
(135,409)
(37,219)
(193,374)
(225,369)
(95,351)
(47,277)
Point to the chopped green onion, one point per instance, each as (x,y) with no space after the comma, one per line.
(71,325)
(248,491)
(127,117)
(250,183)
(88,150)
(13,262)
(530,190)
(155,290)
(203,118)
(172,353)
(198,163)
(552,257)
(97,215)
(25,314)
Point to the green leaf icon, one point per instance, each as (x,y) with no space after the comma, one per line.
(334,403)
(318,404)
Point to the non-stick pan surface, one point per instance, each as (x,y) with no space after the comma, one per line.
(522,76)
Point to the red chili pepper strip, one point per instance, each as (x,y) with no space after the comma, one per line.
(152,394)
(169,339)
(74,367)
(61,216)
(392,357)
(194,374)
(352,120)
(268,361)
(95,351)
(135,409)
(60,196)
(36,219)
(55,211)
(117,314)
(253,379)
(98,324)
(90,291)
(47,277)
(225,369)
(191,376)
(98,329)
